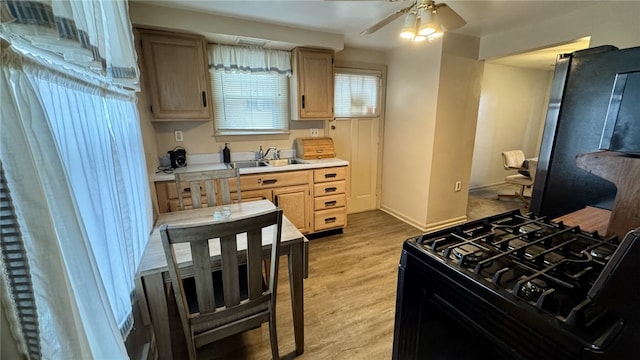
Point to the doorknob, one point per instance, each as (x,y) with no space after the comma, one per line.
(333,127)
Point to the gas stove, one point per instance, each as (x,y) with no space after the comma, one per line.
(514,275)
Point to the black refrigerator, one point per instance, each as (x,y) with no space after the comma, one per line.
(580,94)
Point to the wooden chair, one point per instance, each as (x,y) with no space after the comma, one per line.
(213,179)
(212,307)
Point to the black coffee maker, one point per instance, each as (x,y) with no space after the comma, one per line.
(178,157)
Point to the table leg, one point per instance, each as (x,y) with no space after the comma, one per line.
(156,299)
(296,272)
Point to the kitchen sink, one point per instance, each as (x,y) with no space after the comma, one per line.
(247,164)
(282,162)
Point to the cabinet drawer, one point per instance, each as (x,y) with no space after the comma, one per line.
(330,174)
(328,219)
(271,180)
(329,202)
(329,188)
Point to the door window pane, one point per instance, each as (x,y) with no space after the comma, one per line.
(356,95)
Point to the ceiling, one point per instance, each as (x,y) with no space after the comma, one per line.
(350,18)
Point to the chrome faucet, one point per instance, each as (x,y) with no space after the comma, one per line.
(260,154)
(276,153)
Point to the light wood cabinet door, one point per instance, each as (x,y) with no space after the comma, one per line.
(295,202)
(175,69)
(312,84)
(253,195)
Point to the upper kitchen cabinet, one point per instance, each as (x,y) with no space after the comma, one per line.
(175,68)
(312,84)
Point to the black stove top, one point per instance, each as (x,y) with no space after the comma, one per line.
(557,279)
(551,266)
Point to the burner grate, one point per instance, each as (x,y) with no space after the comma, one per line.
(549,265)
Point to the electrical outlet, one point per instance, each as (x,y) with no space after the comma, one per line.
(178,134)
(314,132)
(458,186)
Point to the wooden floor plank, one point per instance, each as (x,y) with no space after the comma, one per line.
(349,297)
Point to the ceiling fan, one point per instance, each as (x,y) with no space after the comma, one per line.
(424,19)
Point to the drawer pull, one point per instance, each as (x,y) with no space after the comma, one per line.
(269,181)
(329,176)
(330,189)
(187,189)
(330,203)
(330,220)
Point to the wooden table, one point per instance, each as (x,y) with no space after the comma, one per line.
(623,171)
(153,275)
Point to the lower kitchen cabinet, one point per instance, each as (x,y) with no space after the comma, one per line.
(289,190)
(295,202)
(329,198)
(313,200)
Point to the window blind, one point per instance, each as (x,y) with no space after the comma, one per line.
(356,94)
(250,102)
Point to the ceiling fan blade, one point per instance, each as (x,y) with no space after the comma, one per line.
(382,23)
(449,18)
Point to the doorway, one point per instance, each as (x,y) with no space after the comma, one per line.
(359,95)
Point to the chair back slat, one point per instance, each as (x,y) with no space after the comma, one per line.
(214,182)
(230,276)
(202,275)
(254,260)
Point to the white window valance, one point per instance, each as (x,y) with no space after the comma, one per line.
(249,59)
(96,36)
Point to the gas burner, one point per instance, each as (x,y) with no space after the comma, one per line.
(602,253)
(532,289)
(530,231)
(468,254)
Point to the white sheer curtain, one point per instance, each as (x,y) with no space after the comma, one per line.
(249,59)
(71,148)
(93,36)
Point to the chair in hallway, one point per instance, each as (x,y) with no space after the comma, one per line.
(515,160)
(213,180)
(223,297)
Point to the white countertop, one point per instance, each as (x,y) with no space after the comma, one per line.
(301,165)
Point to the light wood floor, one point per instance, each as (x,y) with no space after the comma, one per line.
(349,297)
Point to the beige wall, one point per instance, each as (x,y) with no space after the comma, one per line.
(512,111)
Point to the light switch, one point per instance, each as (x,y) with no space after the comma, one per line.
(178,134)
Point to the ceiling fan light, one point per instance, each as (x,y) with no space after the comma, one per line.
(419,38)
(429,24)
(409,29)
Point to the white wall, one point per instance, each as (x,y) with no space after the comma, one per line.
(512,110)
(412,94)
(608,23)
(431,110)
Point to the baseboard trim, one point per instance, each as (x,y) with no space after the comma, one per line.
(426,227)
(480,187)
